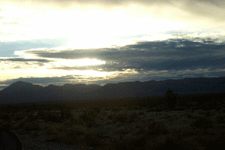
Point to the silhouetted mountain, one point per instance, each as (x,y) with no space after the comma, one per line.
(21,92)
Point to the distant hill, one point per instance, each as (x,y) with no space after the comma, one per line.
(23,92)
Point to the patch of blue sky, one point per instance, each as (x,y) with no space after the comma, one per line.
(7,49)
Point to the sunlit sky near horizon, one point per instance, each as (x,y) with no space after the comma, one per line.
(110,41)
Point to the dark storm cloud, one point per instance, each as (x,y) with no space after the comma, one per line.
(176,54)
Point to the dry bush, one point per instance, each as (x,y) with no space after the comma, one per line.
(96,109)
(18,117)
(86,141)
(141,113)
(31,118)
(7,125)
(221,119)
(31,126)
(76,130)
(122,130)
(62,138)
(217,143)
(132,117)
(110,117)
(5,116)
(94,142)
(121,117)
(189,115)
(202,122)
(49,117)
(137,143)
(88,116)
(156,128)
(50,131)
(164,143)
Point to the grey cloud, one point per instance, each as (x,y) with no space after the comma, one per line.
(24,60)
(21,63)
(206,9)
(176,54)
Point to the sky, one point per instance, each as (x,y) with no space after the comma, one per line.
(109,41)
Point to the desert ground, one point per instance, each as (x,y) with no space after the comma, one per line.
(196,122)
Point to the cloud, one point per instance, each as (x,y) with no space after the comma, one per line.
(175,54)
(106,20)
(213,8)
(13,59)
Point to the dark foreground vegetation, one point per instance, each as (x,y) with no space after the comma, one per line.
(189,122)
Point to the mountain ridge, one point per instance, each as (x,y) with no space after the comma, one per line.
(25,92)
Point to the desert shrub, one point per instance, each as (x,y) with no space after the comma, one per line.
(94,142)
(221,119)
(31,126)
(189,115)
(88,116)
(159,143)
(223,110)
(115,109)
(18,117)
(110,117)
(96,109)
(5,117)
(215,144)
(132,117)
(50,131)
(156,128)
(92,123)
(201,122)
(171,98)
(99,132)
(65,113)
(141,113)
(62,138)
(207,113)
(122,130)
(140,130)
(52,118)
(31,118)
(7,125)
(49,117)
(137,143)
(120,117)
(76,130)
(87,141)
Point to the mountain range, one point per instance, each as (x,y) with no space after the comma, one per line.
(23,92)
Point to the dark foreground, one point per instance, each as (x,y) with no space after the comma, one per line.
(196,122)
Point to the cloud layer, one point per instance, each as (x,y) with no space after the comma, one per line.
(143,61)
(176,54)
